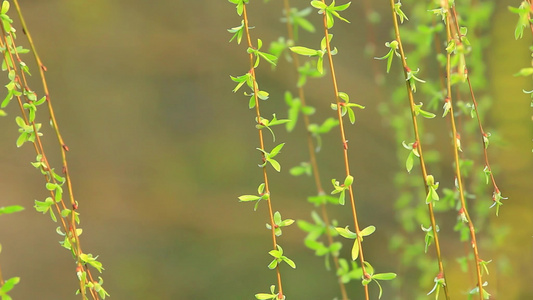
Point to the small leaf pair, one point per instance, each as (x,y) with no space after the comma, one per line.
(419,111)
(523,12)
(346,233)
(298,20)
(370,276)
(237,32)
(317,130)
(341,188)
(399,12)
(432,189)
(272,296)
(279,257)
(497,200)
(269,157)
(393,45)
(308,69)
(413,147)
(239,5)
(429,236)
(271,59)
(262,196)
(318,53)
(347,274)
(346,106)
(295,107)
(475,291)
(8,284)
(439,283)
(27,131)
(10,209)
(331,11)
(265,123)
(303,168)
(413,79)
(278,223)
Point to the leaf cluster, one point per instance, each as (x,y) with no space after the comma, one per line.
(346,106)
(331,11)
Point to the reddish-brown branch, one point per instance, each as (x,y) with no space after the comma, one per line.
(262,146)
(418,145)
(345,149)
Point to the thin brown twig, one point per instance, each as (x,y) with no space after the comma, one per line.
(484,135)
(262,146)
(312,154)
(70,230)
(418,144)
(455,137)
(345,150)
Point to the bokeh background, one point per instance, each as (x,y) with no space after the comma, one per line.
(160,149)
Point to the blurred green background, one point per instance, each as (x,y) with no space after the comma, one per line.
(160,149)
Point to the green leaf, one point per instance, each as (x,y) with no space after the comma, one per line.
(10,283)
(399,12)
(261,188)
(367,231)
(524,72)
(384,276)
(303,168)
(348,181)
(271,59)
(304,51)
(341,7)
(345,232)
(5,7)
(277,218)
(10,209)
(409,162)
(355,249)
(241,80)
(20,122)
(318,4)
(487,173)
(275,164)
(263,296)
(262,95)
(273,264)
(342,197)
(239,5)
(65,213)
(351,115)
(51,186)
(251,103)
(320,65)
(276,150)
(88,258)
(290,262)
(423,113)
(245,198)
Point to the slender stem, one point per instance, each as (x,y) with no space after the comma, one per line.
(455,138)
(345,150)
(418,143)
(262,146)
(311,150)
(70,230)
(42,69)
(484,135)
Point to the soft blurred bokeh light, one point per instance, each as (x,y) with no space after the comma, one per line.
(160,149)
